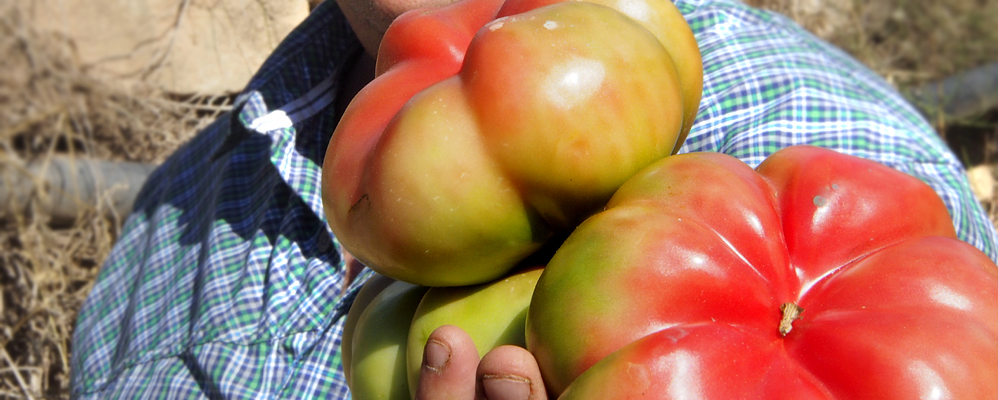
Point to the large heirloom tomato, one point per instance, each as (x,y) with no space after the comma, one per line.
(816,276)
(492,127)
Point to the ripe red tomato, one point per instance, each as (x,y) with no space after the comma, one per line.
(691,282)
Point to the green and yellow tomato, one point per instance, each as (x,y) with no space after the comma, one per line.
(374,286)
(493,314)
(377,353)
(388,337)
(494,127)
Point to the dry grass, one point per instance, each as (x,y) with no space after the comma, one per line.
(49,105)
(909,42)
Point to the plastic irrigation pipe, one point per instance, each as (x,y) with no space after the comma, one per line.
(65,186)
(966,94)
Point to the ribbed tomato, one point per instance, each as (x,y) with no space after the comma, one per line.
(816,276)
(493,127)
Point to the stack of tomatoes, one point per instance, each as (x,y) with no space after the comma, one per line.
(499,133)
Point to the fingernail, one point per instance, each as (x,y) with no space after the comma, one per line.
(436,354)
(505,387)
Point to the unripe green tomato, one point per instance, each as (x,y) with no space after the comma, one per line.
(377,354)
(493,314)
(384,340)
(364,297)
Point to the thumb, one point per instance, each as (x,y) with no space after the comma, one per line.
(449,364)
(510,373)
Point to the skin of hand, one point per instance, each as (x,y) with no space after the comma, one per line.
(451,370)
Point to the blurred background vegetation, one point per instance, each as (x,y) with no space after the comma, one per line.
(53,105)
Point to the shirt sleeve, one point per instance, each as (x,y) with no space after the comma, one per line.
(226,281)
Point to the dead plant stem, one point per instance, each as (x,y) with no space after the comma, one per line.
(17,374)
(159,58)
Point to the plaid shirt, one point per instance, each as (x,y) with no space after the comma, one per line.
(226,281)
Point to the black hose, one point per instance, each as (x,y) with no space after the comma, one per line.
(963,95)
(63,187)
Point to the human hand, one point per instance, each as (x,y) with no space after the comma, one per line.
(451,370)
